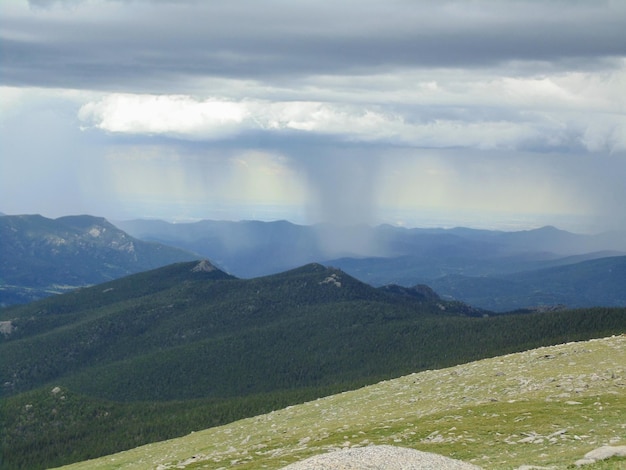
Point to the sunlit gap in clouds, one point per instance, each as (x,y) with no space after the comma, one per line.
(190,182)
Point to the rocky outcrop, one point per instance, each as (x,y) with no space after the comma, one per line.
(204,266)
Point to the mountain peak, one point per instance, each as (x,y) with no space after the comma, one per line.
(41,256)
(311,268)
(83,222)
(203,266)
(548,229)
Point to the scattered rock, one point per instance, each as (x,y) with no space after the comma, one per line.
(6,328)
(601,453)
(380,457)
(190,461)
(560,432)
(304,441)
(333,279)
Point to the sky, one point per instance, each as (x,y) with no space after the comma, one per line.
(499,114)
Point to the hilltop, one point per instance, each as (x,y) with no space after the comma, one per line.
(545,407)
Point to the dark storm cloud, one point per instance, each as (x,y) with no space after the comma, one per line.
(343,108)
(147,46)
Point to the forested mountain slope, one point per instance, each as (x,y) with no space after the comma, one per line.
(181,348)
(584,284)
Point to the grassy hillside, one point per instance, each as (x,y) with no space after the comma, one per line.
(185,347)
(545,407)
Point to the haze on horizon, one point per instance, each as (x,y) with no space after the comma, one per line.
(490,114)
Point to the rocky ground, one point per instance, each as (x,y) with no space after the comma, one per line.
(380,458)
(544,408)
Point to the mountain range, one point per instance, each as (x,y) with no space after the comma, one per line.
(584,284)
(494,270)
(147,341)
(184,347)
(41,256)
(499,271)
(254,248)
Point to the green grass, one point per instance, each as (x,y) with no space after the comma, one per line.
(544,407)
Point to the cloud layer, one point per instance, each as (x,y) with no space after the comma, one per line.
(346,111)
(136,45)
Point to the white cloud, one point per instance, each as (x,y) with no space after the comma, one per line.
(480,109)
(186,117)
(165,114)
(606,134)
(10,98)
(551,126)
